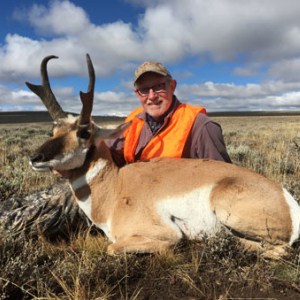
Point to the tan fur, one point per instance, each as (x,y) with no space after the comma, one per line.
(239,203)
(126,201)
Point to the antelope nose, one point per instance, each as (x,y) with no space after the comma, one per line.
(37,157)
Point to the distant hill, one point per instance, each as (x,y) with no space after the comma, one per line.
(43,116)
(253,113)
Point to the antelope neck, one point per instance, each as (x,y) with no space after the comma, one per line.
(87,177)
(84,175)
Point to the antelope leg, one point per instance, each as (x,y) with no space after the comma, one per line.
(139,244)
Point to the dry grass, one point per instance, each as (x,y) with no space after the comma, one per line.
(267,145)
(17,142)
(217,268)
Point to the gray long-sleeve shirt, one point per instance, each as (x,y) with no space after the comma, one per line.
(204,141)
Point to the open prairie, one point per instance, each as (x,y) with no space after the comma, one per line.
(217,268)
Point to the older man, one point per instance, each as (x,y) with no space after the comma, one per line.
(165,127)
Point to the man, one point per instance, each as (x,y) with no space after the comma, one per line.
(165,127)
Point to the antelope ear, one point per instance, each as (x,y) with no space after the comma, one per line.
(107,134)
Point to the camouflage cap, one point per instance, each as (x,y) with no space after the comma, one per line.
(150,66)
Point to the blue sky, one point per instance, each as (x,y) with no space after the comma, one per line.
(225,54)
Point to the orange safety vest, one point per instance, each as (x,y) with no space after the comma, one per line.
(167,143)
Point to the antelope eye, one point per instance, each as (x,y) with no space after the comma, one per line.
(56,124)
(83,134)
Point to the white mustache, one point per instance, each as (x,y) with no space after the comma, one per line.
(155,102)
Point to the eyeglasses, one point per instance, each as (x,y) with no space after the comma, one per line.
(157,88)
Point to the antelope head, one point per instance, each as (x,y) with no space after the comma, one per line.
(72,135)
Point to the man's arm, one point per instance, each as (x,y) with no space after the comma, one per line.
(116,147)
(206,140)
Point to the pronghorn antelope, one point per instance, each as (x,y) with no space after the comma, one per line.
(149,206)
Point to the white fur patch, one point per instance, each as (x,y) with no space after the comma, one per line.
(190,214)
(85,203)
(89,176)
(70,160)
(106,228)
(295,216)
(86,206)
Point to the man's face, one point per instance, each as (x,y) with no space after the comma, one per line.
(155,93)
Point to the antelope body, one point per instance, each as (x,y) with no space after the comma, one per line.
(149,206)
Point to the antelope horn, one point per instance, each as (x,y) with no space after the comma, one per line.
(45,93)
(88,97)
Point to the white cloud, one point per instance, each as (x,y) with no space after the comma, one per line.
(287,69)
(229,90)
(168,31)
(266,34)
(114,103)
(225,97)
(61,18)
(215,97)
